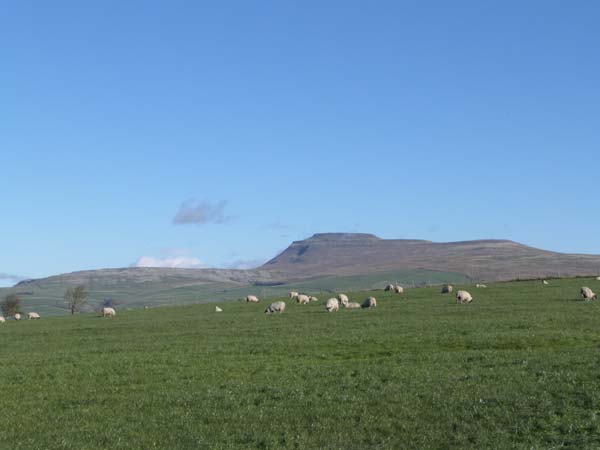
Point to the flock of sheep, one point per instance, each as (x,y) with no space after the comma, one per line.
(333,304)
(17,316)
(106,312)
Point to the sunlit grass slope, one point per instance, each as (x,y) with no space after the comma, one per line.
(518,368)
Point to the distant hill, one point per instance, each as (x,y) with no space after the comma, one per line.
(326,262)
(489,260)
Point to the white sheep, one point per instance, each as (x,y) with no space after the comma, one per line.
(447,289)
(597,278)
(544,282)
(463,297)
(293,294)
(587,294)
(303,299)
(108,312)
(2,319)
(17,316)
(370,302)
(480,285)
(275,307)
(32,315)
(351,305)
(313,299)
(390,287)
(333,304)
(252,299)
(217,309)
(398,289)
(343,298)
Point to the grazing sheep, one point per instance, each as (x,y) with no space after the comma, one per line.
(597,278)
(333,304)
(447,289)
(108,312)
(370,302)
(587,294)
(32,315)
(17,316)
(2,319)
(390,287)
(252,299)
(303,299)
(351,305)
(480,286)
(343,298)
(544,282)
(463,297)
(217,309)
(313,299)
(293,294)
(275,307)
(398,289)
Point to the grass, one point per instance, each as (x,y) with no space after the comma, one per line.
(519,368)
(46,296)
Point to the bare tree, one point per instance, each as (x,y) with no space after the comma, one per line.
(76,298)
(11,305)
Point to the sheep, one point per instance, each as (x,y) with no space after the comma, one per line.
(293,294)
(303,299)
(32,315)
(480,285)
(351,305)
(544,282)
(108,312)
(252,299)
(587,294)
(447,289)
(2,319)
(313,299)
(17,316)
(370,302)
(390,287)
(217,309)
(342,298)
(597,278)
(398,289)
(333,304)
(463,297)
(275,307)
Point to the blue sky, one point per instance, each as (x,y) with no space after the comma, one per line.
(214,133)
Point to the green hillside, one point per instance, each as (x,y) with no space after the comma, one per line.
(517,369)
(47,296)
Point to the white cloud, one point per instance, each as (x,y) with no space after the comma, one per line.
(179,262)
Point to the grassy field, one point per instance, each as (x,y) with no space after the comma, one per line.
(517,369)
(46,296)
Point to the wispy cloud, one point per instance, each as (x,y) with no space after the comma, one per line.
(201,212)
(8,279)
(179,262)
(245,264)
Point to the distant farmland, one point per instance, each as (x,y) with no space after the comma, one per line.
(518,368)
(47,296)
